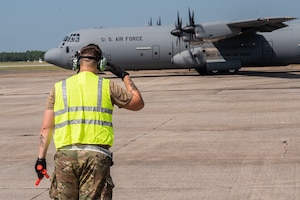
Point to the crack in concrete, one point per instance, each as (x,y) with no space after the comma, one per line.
(285,142)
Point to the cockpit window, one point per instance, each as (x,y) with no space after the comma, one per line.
(73,37)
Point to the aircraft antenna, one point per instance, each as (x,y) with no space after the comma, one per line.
(158,23)
(150,22)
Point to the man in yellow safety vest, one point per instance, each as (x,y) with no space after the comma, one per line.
(79,113)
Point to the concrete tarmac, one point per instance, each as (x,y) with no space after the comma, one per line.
(225,137)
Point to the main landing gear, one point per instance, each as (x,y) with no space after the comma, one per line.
(203,71)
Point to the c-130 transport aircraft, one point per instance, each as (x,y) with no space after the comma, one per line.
(207,47)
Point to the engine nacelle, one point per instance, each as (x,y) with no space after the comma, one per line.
(212,32)
(190,58)
(199,58)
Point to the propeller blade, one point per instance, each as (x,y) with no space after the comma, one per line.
(179,21)
(191,18)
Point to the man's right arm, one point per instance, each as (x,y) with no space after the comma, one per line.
(136,103)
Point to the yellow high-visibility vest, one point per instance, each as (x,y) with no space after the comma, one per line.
(83,111)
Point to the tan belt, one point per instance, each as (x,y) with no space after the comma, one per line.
(88,147)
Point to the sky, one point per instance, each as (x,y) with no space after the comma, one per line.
(42,24)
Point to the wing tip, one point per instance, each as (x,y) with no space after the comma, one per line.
(285,18)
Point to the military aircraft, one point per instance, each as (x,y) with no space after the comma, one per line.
(207,47)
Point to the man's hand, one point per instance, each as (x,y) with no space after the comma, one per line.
(116,70)
(40,167)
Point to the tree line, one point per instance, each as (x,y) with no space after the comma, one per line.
(21,56)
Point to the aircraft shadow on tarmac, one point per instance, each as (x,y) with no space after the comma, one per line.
(293,74)
(283,74)
(173,74)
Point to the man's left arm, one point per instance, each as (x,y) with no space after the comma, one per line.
(44,141)
(45,133)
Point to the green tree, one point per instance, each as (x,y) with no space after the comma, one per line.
(21,56)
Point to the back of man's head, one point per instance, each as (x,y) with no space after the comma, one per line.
(91,51)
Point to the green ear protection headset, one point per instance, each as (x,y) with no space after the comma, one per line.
(101,62)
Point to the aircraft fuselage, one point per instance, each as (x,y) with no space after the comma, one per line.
(153,47)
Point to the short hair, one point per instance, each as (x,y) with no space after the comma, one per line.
(91,50)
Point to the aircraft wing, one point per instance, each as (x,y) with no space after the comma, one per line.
(213,32)
(261,24)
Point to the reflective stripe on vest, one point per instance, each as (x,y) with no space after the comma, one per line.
(83,124)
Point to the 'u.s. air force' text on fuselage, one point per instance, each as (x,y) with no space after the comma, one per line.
(122,39)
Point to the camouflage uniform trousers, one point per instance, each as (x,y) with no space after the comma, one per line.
(81,174)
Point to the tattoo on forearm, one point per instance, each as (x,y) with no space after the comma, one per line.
(133,87)
(42,143)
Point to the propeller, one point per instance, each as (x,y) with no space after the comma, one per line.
(188,30)
(178,31)
(191,27)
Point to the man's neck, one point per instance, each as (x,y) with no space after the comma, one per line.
(95,71)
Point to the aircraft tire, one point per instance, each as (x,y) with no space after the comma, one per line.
(214,71)
(233,71)
(201,71)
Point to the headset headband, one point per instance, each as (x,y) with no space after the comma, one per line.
(89,57)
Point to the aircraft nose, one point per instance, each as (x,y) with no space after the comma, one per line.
(54,56)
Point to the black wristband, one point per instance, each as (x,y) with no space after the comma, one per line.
(124,74)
